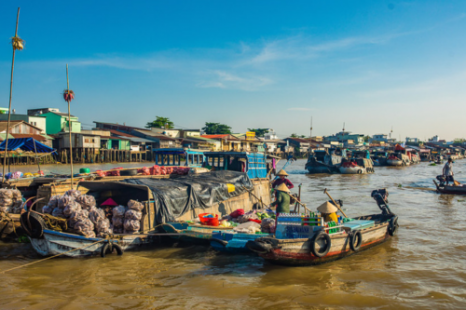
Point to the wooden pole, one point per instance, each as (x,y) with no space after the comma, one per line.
(9,107)
(35,152)
(69,125)
(334,202)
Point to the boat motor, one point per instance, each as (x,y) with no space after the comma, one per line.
(381,197)
(442,179)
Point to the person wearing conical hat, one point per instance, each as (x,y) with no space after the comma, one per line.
(283,199)
(329,212)
(282,180)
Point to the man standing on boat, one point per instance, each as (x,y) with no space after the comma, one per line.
(448,171)
(282,179)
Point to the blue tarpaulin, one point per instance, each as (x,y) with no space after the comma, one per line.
(27,145)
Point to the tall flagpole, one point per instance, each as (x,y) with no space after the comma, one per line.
(68,96)
(17,43)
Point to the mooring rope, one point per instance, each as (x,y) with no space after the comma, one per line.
(35,262)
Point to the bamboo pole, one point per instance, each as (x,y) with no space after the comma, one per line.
(9,107)
(69,125)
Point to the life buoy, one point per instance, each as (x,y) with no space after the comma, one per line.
(37,224)
(393,226)
(355,240)
(109,247)
(321,252)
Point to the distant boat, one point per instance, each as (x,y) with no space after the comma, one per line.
(325,161)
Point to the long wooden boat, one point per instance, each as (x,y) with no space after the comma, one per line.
(232,242)
(321,247)
(74,245)
(450,189)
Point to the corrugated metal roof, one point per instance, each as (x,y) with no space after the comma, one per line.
(35,137)
(120,133)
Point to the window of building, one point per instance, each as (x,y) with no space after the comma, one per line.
(86,140)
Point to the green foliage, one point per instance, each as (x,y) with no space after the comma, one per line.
(459,140)
(366,138)
(293,135)
(260,132)
(216,129)
(2,112)
(161,122)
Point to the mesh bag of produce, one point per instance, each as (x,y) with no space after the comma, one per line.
(246,217)
(73,193)
(64,201)
(47,209)
(119,211)
(118,221)
(71,207)
(58,212)
(17,207)
(132,225)
(133,215)
(84,225)
(53,202)
(77,216)
(6,193)
(6,201)
(86,201)
(268,225)
(103,228)
(5,209)
(17,195)
(95,215)
(135,205)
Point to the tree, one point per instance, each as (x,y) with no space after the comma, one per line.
(366,138)
(216,129)
(161,122)
(293,135)
(260,132)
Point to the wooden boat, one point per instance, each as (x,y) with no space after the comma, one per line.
(198,234)
(360,163)
(327,161)
(74,245)
(321,247)
(232,242)
(453,189)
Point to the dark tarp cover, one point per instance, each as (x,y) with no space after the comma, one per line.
(26,144)
(174,197)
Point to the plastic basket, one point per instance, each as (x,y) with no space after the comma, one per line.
(209,221)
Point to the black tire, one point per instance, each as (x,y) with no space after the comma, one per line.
(393,226)
(359,171)
(129,172)
(355,240)
(109,247)
(259,247)
(321,235)
(37,225)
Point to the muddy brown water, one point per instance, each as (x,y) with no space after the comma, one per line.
(423,267)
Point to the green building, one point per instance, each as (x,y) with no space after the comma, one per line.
(56,122)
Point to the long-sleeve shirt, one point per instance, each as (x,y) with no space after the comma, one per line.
(282,202)
(279,181)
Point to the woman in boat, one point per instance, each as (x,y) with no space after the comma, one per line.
(448,171)
(329,212)
(283,199)
(282,180)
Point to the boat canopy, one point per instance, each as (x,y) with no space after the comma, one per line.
(27,145)
(254,164)
(194,193)
(172,157)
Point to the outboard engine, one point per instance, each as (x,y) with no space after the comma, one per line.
(338,201)
(381,197)
(441,179)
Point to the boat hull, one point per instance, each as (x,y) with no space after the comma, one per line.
(297,252)
(55,243)
(354,170)
(396,163)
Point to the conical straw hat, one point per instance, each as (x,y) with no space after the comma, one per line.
(282,172)
(327,207)
(282,187)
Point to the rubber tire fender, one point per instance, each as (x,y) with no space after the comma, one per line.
(320,235)
(393,226)
(37,223)
(359,171)
(113,246)
(259,247)
(355,234)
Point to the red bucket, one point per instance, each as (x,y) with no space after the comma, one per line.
(209,221)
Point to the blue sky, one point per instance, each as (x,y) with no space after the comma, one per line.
(371,64)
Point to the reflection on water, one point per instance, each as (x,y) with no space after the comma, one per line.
(421,268)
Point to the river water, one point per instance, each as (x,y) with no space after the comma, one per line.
(421,268)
